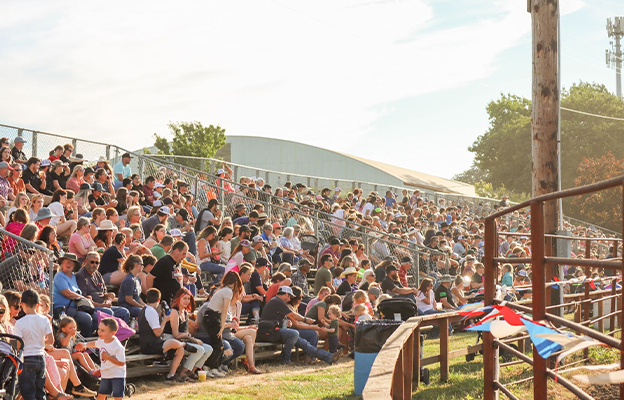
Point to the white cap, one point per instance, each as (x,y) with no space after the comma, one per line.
(164,210)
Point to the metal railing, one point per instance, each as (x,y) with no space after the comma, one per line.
(543,270)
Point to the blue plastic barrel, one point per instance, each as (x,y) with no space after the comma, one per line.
(361,371)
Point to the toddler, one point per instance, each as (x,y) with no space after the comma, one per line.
(112,360)
(332,330)
(66,339)
(361,313)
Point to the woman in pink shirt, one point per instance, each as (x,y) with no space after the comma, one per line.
(81,242)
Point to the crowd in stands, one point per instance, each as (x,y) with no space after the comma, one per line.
(203,282)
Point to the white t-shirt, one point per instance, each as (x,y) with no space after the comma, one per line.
(226,248)
(57,209)
(33,328)
(108,368)
(422,306)
(223,295)
(151,315)
(367,209)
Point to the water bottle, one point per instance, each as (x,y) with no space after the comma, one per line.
(63,315)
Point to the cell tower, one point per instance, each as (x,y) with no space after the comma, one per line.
(615,30)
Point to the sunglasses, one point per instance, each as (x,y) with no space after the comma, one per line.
(17,306)
(94,262)
(2,311)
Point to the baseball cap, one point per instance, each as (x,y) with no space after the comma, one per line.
(276,225)
(285,289)
(262,262)
(406,260)
(167,201)
(158,185)
(4,165)
(126,155)
(334,242)
(245,243)
(158,203)
(184,214)
(45,163)
(287,267)
(258,239)
(176,233)
(164,210)
(19,139)
(220,171)
(391,267)
(336,189)
(375,291)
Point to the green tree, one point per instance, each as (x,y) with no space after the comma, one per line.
(503,153)
(603,208)
(191,139)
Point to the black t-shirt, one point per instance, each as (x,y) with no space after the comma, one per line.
(98,202)
(164,280)
(380,274)
(364,286)
(275,310)
(109,262)
(18,154)
(31,178)
(444,292)
(387,285)
(52,176)
(345,288)
(255,281)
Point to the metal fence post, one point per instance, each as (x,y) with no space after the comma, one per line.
(108,152)
(196,188)
(34,144)
(51,279)
(202,164)
(75,144)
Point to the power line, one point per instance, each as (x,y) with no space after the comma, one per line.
(592,115)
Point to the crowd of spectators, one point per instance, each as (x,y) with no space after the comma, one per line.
(134,247)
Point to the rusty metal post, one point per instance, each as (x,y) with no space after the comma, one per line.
(540,387)
(408,365)
(489,352)
(622,308)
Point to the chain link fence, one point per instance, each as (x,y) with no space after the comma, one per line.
(25,264)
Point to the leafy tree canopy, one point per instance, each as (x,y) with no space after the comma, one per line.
(503,153)
(191,139)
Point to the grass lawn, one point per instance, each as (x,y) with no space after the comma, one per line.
(322,382)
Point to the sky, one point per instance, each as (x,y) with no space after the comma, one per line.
(404,82)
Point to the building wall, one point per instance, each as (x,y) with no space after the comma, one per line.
(298,158)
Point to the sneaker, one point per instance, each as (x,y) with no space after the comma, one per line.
(335,357)
(96,373)
(190,348)
(81,390)
(216,373)
(208,373)
(224,368)
(160,363)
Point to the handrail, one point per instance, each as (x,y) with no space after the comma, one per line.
(542,260)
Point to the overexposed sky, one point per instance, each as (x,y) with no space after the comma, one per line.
(403,82)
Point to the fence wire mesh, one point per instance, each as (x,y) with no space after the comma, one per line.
(25,264)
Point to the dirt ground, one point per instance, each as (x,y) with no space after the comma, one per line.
(156,387)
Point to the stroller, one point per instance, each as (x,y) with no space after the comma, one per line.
(11,348)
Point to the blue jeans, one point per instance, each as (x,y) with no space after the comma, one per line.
(32,379)
(237,346)
(133,310)
(407,296)
(248,307)
(86,323)
(116,311)
(189,238)
(290,339)
(213,268)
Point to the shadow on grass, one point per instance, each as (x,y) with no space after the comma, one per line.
(465,382)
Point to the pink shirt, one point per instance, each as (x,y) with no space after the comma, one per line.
(75,238)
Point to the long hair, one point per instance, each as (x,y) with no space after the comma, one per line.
(176,299)
(130,261)
(207,231)
(233,280)
(424,284)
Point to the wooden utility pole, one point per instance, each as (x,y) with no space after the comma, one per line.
(546,97)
